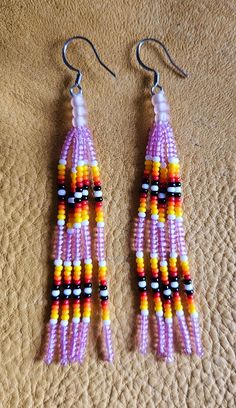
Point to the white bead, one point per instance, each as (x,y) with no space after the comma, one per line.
(62,161)
(163,263)
(184,258)
(154,285)
(194,315)
(85,222)
(188,287)
(147,157)
(162,195)
(161,225)
(98,193)
(71,200)
(173,159)
(154,216)
(153,255)
(67,292)
(88,261)
(173,255)
(142,284)
(86,319)
(160,313)
(160,97)
(76,320)
(61,222)
(139,254)
(179,312)
(61,192)
(164,117)
(77,292)
(168,320)
(79,121)
(144,312)
(70,231)
(154,188)
(179,219)
(171,189)
(101,224)
(142,215)
(103,292)
(167,292)
(102,263)
(145,186)
(58,262)
(163,165)
(53,322)
(85,193)
(67,263)
(76,262)
(106,322)
(178,189)
(55,293)
(64,323)
(174,284)
(156,159)
(163,107)
(94,163)
(79,111)
(78,99)
(171,217)
(78,194)
(77,225)
(80,163)
(88,291)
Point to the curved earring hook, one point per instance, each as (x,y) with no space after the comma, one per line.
(79,74)
(156,81)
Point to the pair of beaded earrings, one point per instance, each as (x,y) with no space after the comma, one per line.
(162,236)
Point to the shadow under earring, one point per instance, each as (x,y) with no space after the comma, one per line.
(68,327)
(161,202)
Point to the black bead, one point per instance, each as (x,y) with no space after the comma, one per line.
(143,289)
(61,187)
(175,289)
(167,297)
(55,287)
(154,183)
(145,181)
(178,184)
(174,278)
(66,286)
(79,189)
(98,199)
(97,188)
(77,297)
(84,198)
(77,286)
(103,287)
(189,292)
(87,295)
(61,198)
(156,290)
(187,281)
(78,200)
(65,297)
(85,187)
(154,279)
(88,285)
(55,297)
(104,297)
(165,287)
(171,184)
(177,194)
(141,278)
(169,194)
(161,200)
(143,190)
(154,193)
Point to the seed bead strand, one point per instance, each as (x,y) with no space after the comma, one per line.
(77,250)
(100,247)
(172,196)
(154,242)
(87,257)
(162,235)
(174,166)
(51,338)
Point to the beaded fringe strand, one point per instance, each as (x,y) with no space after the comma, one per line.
(68,327)
(161,195)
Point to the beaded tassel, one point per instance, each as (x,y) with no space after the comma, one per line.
(161,189)
(73,248)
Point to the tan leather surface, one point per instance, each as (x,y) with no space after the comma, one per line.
(34,118)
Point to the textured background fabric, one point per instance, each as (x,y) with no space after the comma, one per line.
(35,115)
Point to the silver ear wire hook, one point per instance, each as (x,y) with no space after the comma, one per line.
(79,74)
(156,80)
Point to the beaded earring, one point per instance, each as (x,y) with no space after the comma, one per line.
(160,199)
(78,173)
